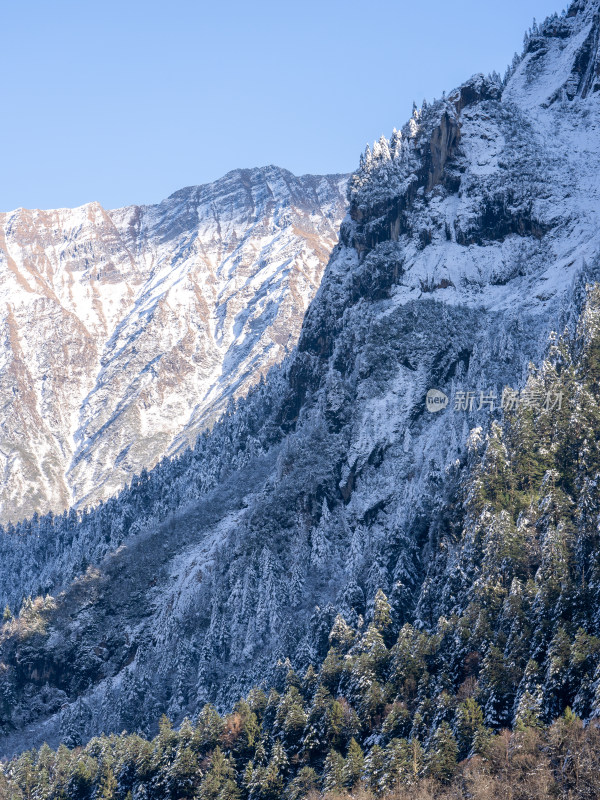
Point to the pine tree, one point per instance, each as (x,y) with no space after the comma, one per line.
(332,670)
(443,754)
(247,730)
(333,771)
(469,723)
(397,723)
(309,682)
(273,776)
(184,771)
(396,144)
(354,763)
(375,769)
(210,726)
(305,784)
(24,775)
(382,612)
(107,784)
(529,711)
(417,759)
(341,636)
(404,762)
(498,680)
(292,680)
(294,725)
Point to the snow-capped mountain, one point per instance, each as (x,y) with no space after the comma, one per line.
(470,238)
(127,332)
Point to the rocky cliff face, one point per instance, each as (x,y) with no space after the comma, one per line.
(126,333)
(471,236)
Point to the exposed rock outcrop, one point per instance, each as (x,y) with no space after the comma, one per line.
(127,332)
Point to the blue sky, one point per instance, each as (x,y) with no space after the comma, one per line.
(125,102)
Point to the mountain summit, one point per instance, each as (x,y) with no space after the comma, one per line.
(127,332)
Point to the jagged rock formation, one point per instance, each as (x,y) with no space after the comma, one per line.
(127,332)
(471,236)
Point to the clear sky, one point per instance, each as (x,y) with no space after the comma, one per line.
(125,102)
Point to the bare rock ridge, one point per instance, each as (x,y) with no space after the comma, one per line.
(126,332)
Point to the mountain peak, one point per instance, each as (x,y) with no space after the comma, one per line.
(154,318)
(560,59)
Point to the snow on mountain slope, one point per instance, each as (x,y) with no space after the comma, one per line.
(126,332)
(470,238)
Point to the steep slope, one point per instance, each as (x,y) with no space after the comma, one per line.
(470,238)
(151,319)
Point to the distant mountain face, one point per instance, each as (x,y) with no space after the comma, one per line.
(470,238)
(125,333)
